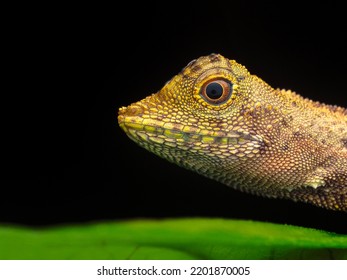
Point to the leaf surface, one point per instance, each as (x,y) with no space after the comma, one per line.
(165,239)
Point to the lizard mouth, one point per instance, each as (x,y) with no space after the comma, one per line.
(142,129)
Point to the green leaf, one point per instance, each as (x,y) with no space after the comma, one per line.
(171,239)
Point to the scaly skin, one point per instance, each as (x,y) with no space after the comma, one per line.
(245,134)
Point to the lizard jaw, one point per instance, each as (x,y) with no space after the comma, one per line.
(149,132)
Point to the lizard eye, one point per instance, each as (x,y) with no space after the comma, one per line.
(216,91)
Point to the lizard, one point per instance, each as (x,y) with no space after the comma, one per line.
(221,121)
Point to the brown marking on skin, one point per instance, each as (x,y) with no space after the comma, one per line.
(344,142)
(196,68)
(284,123)
(214,58)
(298,135)
(285,147)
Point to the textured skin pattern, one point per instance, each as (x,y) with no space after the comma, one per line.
(252,137)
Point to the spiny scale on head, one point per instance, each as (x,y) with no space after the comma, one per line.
(218,120)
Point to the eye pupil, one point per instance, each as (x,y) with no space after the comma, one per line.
(214,90)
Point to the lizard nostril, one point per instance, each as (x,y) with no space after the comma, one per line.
(121,110)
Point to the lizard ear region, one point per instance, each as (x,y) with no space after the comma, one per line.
(217,91)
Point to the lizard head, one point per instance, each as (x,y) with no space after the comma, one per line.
(217,119)
(202,118)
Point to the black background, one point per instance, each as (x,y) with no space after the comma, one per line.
(70,68)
